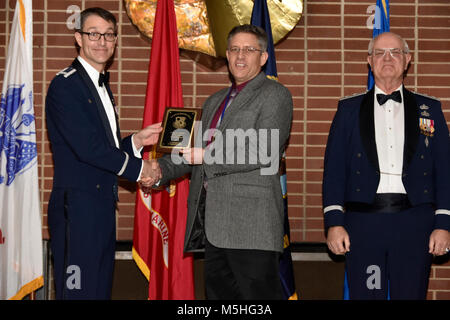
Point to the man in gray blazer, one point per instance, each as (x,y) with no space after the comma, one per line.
(235,204)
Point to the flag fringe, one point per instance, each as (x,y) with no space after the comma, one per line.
(141,263)
(28,288)
(294,296)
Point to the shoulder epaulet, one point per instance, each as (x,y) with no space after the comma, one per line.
(425,95)
(67,72)
(353,95)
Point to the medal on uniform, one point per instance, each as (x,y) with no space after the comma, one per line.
(426,128)
(426,125)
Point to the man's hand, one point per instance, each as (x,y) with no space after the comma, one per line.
(147,136)
(193,155)
(151,173)
(338,240)
(439,242)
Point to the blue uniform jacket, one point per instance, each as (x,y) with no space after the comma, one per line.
(351,170)
(84,153)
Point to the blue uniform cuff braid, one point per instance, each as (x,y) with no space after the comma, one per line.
(334,218)
(442,221)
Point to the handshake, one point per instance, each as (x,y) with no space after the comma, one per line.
(151,173)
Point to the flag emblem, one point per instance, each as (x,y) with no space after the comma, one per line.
(16,134)
(21,266)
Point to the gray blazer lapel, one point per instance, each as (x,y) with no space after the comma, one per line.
(242,99)
(210,109)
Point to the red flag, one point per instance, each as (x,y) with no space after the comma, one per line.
(160,218)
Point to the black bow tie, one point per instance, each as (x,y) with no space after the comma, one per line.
(382,98)
(103,78)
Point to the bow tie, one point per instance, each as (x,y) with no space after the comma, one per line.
(382,98)
(103,78)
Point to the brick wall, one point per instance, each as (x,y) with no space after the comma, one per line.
(321,60)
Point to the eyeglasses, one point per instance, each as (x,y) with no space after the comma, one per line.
(394,52)
(244,50)
(95,36)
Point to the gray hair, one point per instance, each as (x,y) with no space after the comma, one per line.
(372,42)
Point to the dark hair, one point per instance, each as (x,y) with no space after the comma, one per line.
(95,11)
(102,13)
(248,28)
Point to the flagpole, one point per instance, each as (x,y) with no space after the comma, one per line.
(20,218)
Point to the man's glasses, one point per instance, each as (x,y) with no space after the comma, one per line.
(95,36)
(244,50)
(394,52)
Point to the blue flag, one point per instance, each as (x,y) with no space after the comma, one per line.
(261,18)
(380,25)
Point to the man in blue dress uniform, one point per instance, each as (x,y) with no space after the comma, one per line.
(88,155)
(386,183)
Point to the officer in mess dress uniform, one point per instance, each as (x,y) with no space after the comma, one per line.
(386,182)
(89,154)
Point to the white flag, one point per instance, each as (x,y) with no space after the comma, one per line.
(20,219)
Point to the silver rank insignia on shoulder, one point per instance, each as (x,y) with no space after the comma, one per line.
(67,72)
(353,95)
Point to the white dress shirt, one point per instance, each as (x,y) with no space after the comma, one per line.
(390,137)
(104,96)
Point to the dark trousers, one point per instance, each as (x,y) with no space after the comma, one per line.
(82,230)
(389,252)
(241,274)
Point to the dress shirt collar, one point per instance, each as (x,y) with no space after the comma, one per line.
(239,87)
(91,71)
